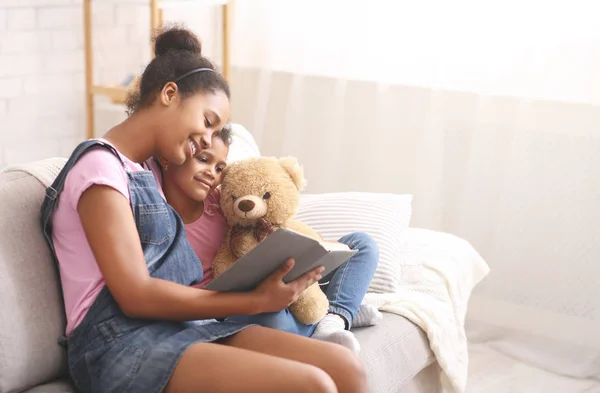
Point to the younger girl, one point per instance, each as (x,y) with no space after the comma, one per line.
(192,190)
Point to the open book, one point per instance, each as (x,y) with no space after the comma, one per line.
(251,269)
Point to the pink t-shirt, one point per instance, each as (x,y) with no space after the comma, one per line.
(206,233)
(79,273)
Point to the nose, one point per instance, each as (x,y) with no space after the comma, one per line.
(210,172)
(246,205)
(205,141)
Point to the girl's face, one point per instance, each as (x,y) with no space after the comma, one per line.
(201,174)
(188,126)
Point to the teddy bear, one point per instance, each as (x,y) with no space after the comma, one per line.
(259,195)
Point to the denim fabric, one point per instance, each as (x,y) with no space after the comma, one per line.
(345,288)
(348,284)
(283,320)
(110,352)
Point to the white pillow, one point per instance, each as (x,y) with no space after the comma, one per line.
(243,146)
(383,216)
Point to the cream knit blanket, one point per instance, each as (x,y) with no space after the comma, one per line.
(437,300)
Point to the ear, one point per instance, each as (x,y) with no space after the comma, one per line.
(293,168)
(162,161)
(168,93)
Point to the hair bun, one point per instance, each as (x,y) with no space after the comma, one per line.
(176,38)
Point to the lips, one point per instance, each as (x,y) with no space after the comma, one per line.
(204,182)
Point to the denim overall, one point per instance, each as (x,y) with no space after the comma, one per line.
(108,351)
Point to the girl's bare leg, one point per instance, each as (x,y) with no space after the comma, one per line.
(341,364)
(218,368)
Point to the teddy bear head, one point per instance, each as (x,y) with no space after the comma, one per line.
(266,188)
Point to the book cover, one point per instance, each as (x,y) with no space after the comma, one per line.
(251,269)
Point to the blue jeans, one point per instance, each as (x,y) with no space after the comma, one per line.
(345,288)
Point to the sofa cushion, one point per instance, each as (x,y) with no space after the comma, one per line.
(426,381)
(394,351)
(383,216)
(58,386)
(244,146)
(32,316)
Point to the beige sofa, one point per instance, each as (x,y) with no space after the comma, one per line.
(396,352)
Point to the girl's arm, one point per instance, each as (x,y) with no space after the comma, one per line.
(111,232)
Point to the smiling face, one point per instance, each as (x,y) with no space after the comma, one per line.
(189,125)
(197,177)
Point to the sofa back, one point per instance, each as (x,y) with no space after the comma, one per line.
(31,308)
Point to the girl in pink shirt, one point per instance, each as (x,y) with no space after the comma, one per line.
(192,190)
(128,272)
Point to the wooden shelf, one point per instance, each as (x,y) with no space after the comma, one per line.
(189,3)
(168,3)
(118,93)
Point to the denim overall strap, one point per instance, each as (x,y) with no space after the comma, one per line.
(162,233)
(51,199)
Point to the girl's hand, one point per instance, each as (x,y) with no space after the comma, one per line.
(275,295)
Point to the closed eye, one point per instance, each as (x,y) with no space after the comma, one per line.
(207,122)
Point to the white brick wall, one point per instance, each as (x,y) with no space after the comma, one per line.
(19,42)
(42,68)
(42,71)
(59,17)
(21,18)
(3,109)
(3,20)
(10,88)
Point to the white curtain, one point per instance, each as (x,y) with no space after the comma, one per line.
(487,112)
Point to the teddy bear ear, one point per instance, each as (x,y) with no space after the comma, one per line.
(293,168)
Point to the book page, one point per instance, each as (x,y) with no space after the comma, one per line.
(334,246)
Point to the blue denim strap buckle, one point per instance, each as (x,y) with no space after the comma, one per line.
(51,193)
